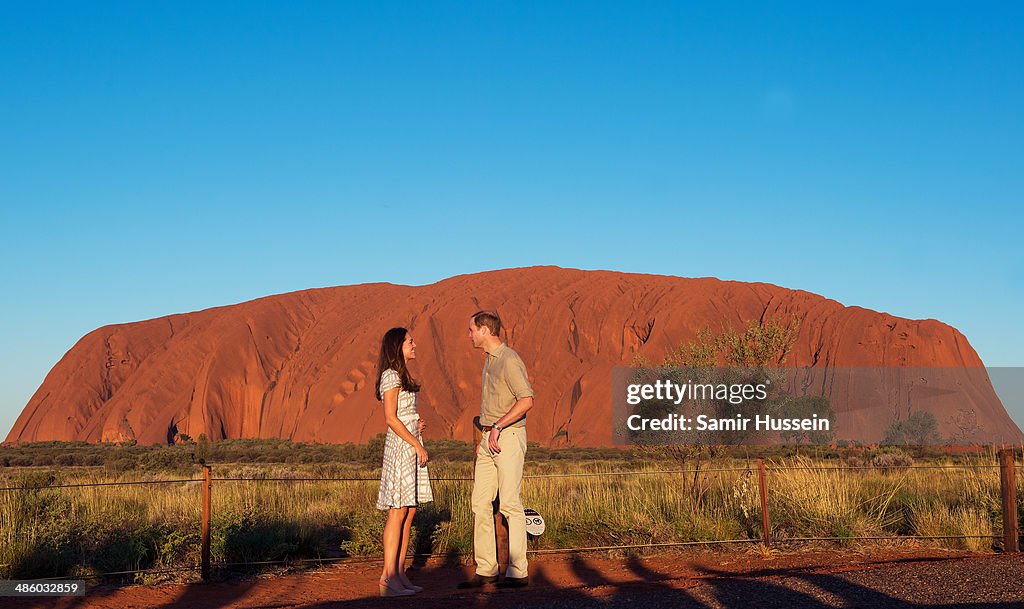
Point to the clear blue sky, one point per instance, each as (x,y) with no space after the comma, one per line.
(162,157)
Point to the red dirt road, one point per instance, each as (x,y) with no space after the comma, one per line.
(818,579)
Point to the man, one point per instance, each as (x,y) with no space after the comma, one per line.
(506,397)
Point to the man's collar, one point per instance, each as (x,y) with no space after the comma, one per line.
(497,350)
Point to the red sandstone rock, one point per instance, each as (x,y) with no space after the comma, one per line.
(301,365)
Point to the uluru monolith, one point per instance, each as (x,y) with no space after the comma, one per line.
(301,365)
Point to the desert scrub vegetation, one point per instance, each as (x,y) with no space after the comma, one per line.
(183,456)
(92,530)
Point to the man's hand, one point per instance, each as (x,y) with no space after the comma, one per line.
(492,440)
(421,426)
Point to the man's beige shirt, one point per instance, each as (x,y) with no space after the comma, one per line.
(504,383)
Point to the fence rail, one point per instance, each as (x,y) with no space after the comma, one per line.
(1008,493)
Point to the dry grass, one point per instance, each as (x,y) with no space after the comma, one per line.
(102,529)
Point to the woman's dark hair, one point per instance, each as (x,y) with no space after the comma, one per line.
(391,356)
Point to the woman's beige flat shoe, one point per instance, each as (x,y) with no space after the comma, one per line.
(386,590)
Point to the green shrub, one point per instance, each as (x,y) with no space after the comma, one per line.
(362,533)
(247,534)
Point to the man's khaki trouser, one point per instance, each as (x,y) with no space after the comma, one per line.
(500,473)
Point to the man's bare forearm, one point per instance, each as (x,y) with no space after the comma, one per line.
(516,412)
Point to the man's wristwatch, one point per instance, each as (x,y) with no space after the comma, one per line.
(498,427)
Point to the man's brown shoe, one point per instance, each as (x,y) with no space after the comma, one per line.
(478,581)
(514,582)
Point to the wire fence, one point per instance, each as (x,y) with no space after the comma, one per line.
(769,468)
(1007,467)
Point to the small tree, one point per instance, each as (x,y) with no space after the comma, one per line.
(967,427)
(752,355)
(920,429)
(804,407)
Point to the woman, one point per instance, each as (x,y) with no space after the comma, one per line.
(404,482)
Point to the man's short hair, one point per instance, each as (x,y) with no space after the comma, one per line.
(489,320)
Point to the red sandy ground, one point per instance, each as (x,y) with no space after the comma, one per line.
(876,578)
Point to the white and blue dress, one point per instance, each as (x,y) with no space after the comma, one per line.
(402,481)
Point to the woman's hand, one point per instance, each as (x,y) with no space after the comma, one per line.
(421,455)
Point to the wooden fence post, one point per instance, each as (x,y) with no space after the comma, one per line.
(204,567)
(762,483)
(1008,485)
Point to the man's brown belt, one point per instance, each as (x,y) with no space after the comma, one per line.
(487,428)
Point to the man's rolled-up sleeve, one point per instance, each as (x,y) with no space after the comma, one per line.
(518,382)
